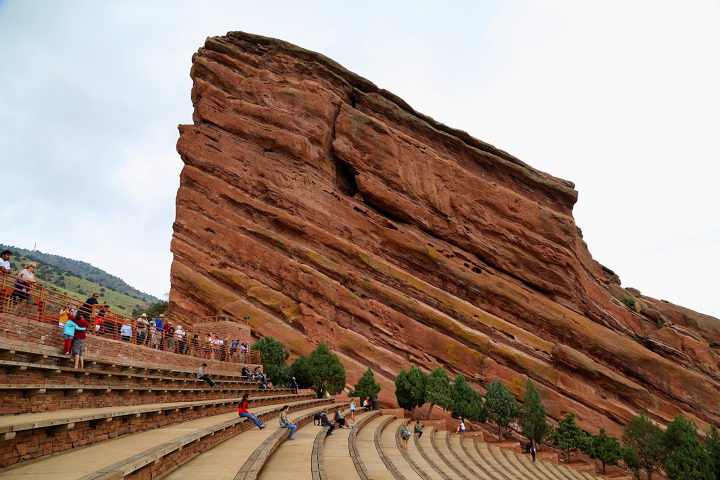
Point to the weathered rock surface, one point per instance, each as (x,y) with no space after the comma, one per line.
(330,211)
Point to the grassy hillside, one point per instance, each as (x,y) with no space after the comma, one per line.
(80,280)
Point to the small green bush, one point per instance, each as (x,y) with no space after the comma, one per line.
(630,303)
(661,322)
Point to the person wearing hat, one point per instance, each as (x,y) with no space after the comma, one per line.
(141,326)
(157,336)
(294,385)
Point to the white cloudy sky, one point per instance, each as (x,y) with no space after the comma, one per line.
(621,97)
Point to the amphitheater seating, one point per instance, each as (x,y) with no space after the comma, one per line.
(139,421)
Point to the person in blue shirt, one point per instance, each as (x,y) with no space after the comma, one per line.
(157,337)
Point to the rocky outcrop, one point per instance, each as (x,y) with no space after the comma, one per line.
(328,210)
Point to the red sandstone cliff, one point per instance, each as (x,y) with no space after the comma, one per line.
(329,210)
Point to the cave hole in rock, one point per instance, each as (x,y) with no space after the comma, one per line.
(345,178)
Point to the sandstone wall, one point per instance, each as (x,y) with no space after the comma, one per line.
(329,210)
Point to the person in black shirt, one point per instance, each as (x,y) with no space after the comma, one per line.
(86,308)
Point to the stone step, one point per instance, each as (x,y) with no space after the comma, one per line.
(431,455)
(44,397)
(439,442)
(391,447)
(337,452)
(368,453)
(33,435)
(512,461)
(495,459)
(454,442)
(245,455)
(127,454)
(415,456)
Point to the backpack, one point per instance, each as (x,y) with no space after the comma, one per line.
(405,433)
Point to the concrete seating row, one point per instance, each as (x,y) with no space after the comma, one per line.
(33,435)
(55,358)
(151,453)
(25,370)
(31,398)
(317,456)
(254,464)
(353,445)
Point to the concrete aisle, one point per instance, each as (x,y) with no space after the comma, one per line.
(368,453)
(338,463)
(292,459)
(389,447)
(225,460)
(433,456)
(417,457)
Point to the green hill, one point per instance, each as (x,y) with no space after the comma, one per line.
(79,280)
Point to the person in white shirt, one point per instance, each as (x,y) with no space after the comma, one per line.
(126,332)
(5,261)
(180,337)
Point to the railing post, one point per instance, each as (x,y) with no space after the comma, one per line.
(41,305)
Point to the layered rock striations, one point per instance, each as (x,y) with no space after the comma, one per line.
(330,211)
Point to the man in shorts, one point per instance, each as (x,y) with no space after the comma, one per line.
(79,340)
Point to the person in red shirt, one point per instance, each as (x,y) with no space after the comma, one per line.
(243,412)
(79,340)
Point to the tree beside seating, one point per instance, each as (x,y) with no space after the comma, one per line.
(367,387)
(438,390)
(501,406)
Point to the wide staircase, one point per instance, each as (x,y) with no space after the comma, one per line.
(113,420)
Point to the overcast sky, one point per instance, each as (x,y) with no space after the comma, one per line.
(620,97)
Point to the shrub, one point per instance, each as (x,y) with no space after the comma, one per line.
(630,303)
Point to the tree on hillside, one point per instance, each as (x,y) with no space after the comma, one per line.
(533,418)
(501,406)
(642,445)
(438,390)
(568,435)
(605,448)
(687,458)
(712,445)
(466,402)
(273,355)
(300,369)
(326,371)
(367,387)
(410,388)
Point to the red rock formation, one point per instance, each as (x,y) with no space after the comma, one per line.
(329,210)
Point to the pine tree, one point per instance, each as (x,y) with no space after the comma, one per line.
(569,435)
(326,372)
(466,402)
(501,406)
(642,445)
(367,387)
(712,445)
(533,418)
(300,369)
(273,355)
(410,388)
(605,448)
(438,390)
(687,458)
